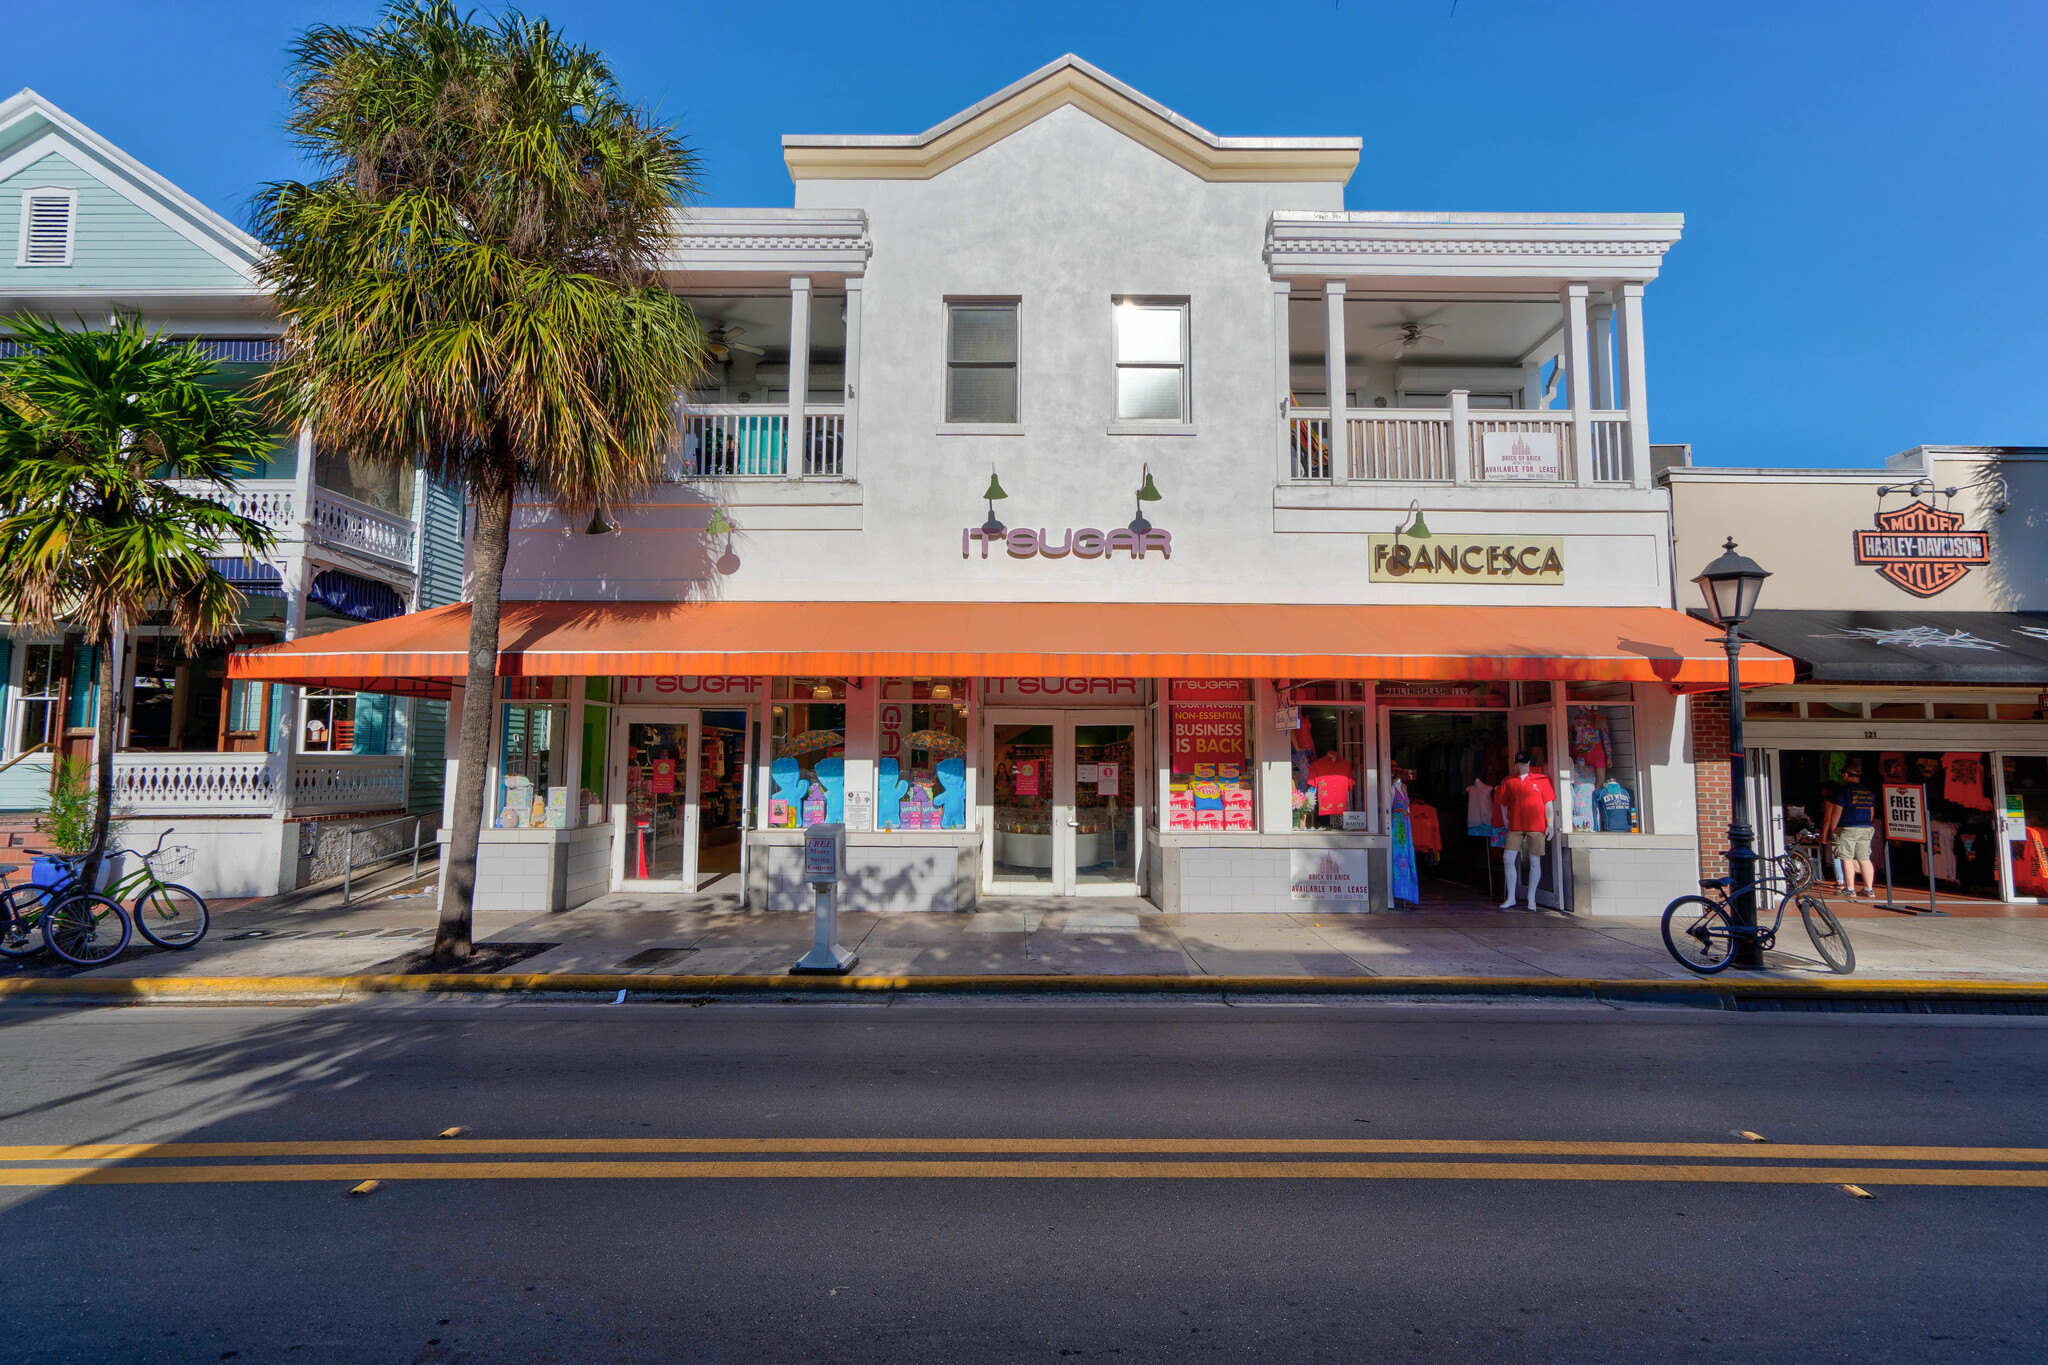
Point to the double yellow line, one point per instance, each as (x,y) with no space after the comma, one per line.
(186,1163)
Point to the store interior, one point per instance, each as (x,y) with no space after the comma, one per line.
(721,785)
(1456,758)
(1959,805)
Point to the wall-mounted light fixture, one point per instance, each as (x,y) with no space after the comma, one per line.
(1416,526)
(992,527)
(1147,492)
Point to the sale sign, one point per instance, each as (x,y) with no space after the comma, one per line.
(1210,735)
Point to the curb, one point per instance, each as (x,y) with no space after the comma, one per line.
(1712,993)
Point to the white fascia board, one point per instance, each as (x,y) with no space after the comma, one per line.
(161,198)
(1053,68)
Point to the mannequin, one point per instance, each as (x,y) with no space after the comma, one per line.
(1526,805)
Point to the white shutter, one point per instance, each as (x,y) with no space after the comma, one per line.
(47,224)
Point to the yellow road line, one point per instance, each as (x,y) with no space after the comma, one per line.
(133,1151)
(1017,1170)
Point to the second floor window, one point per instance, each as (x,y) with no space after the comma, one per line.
(330,721)
(1151,361)
(981,362)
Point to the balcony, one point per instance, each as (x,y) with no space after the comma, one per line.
(336,520)
(731,441)
(192,785)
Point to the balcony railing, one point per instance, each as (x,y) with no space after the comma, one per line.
(730,442)
(268,501)
(824,442)
(1423,445)
(255,784)
(347,524)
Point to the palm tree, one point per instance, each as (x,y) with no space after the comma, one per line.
(473,280)
(92,534)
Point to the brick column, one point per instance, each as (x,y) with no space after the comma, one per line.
(1709,728)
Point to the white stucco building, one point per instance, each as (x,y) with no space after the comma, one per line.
(1404,526)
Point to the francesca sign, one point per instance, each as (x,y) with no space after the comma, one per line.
(1396,558)
(1521,455)
(1085,543)
(1922,549)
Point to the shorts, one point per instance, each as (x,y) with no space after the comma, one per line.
(1852,843)
(1533,841)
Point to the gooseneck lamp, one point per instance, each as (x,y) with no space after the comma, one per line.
(992,527)
(1148,491)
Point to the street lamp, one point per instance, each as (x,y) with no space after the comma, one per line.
(1731,585)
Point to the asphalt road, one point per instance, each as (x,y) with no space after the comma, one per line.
(1016,1256)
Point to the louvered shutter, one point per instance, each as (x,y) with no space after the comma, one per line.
(47,229)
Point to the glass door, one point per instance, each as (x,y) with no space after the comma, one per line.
(1022,845)
(655,754)
(1107,824)
(2023,824)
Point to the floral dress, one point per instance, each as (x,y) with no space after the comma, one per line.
(1404,886)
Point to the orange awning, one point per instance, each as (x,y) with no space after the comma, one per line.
(421,654)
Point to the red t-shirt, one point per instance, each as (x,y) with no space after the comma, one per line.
(1522,799)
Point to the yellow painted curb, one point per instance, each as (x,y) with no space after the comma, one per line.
(335,988)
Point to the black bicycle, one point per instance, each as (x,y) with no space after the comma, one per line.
(83,927)
(1702,934)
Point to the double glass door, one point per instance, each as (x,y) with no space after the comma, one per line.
(1065,808)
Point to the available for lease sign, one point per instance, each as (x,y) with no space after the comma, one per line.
(1328,874)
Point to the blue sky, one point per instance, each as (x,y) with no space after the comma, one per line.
(1864,183)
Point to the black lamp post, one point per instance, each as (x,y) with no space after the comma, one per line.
(1731,585)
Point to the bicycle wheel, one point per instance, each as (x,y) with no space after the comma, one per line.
(171,916)
(1697,932)
(87,930)
(21,919)
(1829,938)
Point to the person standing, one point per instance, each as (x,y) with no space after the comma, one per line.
(1525,804)
(1850,818)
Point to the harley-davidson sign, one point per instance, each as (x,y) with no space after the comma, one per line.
(1923,550)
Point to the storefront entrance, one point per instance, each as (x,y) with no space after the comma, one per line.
(1065,802)
(1458,758)
(655,753)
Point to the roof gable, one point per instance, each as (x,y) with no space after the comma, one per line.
(1071,81)
(133,229)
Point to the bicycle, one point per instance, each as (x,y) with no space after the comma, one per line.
(1700,931)
(169,915)
(77,924)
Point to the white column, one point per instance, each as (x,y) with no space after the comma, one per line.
(297,575)
(852,369)
(302,483)
(1283,380)
(1578,372)
(1532,385)
(1336,381)
(1628,339)
(799,371)
(1601,315)
(1464,465)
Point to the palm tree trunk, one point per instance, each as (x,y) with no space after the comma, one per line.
(108,718)
(479,710)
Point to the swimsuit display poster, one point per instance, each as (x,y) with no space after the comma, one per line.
(1027,777)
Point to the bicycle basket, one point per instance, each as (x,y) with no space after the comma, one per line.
(171,861)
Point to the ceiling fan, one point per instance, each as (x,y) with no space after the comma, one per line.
(722,341)
(1413,334)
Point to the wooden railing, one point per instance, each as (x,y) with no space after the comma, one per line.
(1402,445)
(824,441)
(732,443)
(346,524)
(1432,445)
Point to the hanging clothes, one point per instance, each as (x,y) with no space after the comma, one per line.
(1429,838)
(1964,783)
(1479,808)
(1403,885)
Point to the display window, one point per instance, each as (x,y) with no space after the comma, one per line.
(921,753)
(593,797)
(1606,794)
(2026,822)
(1211,779)
(1327,757)
(327,721)
(807,762)
(531,791)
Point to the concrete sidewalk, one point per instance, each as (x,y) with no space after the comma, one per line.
(711,935)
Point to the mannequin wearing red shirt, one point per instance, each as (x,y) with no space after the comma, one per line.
(1526,806)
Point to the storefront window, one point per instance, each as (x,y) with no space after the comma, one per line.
(1606,792)
(1898,710)
(1959,804)
(807,767)
(2026,823)
(593,792)
(530,771)
(153,702)
(921,754)
(1327,748)
(536,689)
(1211,776)
(1769,710)
(1532,694)
(328,725)
(38,704)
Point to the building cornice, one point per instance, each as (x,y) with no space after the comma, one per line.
(779,241)
(1061,84)
(1601,245)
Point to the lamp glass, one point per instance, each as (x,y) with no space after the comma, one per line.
(1731,585)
